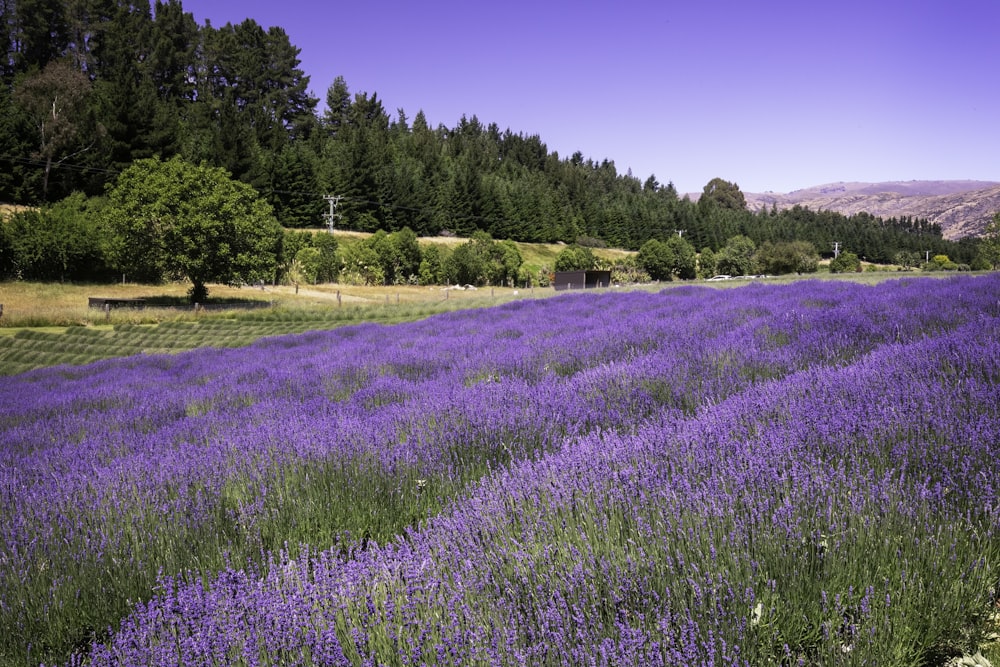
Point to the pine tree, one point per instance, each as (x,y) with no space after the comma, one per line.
(40,33)
(294,191)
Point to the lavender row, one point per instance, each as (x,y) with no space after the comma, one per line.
(172,430)
(837,515)
(174,462)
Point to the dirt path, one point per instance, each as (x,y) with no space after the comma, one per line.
(304,292)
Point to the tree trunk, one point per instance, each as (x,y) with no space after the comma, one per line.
(199,292)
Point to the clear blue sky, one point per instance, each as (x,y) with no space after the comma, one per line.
(773,95)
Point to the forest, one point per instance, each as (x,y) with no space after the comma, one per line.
(90,87)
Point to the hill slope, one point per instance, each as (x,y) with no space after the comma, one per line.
(962,208)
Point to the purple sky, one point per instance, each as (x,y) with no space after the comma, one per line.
(773,95)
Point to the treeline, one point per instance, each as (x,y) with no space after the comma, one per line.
(91,86)
(171,220)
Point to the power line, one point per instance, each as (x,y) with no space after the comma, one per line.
(332,216)
(34,162)
(271,191)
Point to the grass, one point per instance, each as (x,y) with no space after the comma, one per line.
(536,256)
(328,501)
(40,320)
(48,313)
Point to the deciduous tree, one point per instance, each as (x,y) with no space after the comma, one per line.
(574,258)
(736,258)
(685,260)
(58,242)
(656,258)
(706,263)
(990,243)
(175,219)
(787,257)
(56,101)
(845,262)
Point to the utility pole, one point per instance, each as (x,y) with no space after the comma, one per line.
(332,216)
(680,232)
(836,249)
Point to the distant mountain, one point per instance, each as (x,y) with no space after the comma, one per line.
(962,208)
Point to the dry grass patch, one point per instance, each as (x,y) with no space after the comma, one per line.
(33,304)
(7,210)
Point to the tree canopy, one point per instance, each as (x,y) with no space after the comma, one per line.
(574,258)
(667,260)
(722,194)
(736,258)
(787,257)
(845,262)
(172,219)
(136,81)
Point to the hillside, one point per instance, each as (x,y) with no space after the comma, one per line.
(962,208)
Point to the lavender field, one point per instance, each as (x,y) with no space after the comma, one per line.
(798,474)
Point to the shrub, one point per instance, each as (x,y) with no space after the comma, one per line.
(736,258)
(845,262)
(575,258)
(64,241)
(787,257)
(706,263)
(305,268)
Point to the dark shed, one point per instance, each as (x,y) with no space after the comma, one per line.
(581,279)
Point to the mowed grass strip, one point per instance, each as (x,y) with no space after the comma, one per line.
(28,349)
(55,315)
(45,319)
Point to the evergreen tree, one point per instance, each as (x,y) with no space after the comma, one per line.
(358,161)
(40,34)
(338,107)
(264,81)
(8,40)
(173,52)
(719,193)
(294,190)
(20,179)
